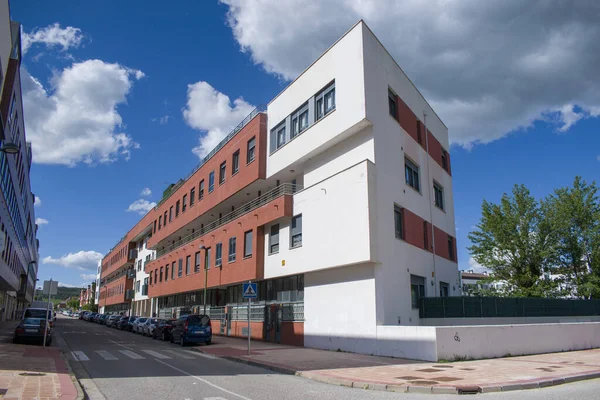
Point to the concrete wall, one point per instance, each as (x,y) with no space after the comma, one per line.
(497,341)
(413,342)
(339,309)
(504,321)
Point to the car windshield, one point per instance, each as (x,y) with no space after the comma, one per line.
(152,321)
(32,321)
(198,320)
(131,319)
(141,320)
(37,313)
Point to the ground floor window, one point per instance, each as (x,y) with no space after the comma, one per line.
(417,289)
(444,289)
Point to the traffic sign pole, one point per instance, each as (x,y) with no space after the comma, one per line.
(47,311)
(249,292)
(249,308)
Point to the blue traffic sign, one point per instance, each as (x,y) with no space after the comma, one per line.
(250,291)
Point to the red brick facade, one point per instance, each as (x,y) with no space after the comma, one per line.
(417,232)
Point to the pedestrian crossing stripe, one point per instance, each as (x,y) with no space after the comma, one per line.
(108,356)
(133,355)
(157,355)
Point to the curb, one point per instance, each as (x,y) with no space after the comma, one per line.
(462,389)
(80,392)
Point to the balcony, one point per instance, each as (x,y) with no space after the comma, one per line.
(281,190)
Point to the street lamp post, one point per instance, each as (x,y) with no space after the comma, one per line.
(202,247)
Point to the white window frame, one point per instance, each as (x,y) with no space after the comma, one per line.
(295,232)
(320,111)
(438,188)
(414,168)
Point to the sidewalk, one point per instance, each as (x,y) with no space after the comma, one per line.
(401,375)
(32,372)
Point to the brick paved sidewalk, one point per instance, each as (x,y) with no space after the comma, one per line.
(393,374)
(32,372)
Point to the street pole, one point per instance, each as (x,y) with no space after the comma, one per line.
(249,307)
(205,285)
(47,309)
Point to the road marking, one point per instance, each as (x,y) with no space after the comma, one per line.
(156,354)
(106,355)
(79,356)
(179,354)
(68,333)
(203,380)
(197,353)
(212,398)
(131,354)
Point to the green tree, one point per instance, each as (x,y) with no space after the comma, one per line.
(574,215)
(90,307)
(73,304)
(513,240)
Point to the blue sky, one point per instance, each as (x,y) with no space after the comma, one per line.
(125,96)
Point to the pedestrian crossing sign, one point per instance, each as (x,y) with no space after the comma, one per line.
(249,291)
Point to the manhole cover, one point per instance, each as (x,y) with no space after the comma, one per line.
(3,392)
(446,379)
(443,366)
(409,378)
(429,370)
(555,366)
(424,383)
(32,374)
(467,369)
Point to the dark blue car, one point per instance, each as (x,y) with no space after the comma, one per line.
(191,329)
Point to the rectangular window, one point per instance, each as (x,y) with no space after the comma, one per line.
(296,231)
(192,196)
(211,181)
(417,289)
(232,249)
(274,239)
(161,274)
(235,162)
(188,260)
(165,219)
(392,104)
(177,205)
(280,133)
(197,262)
(159,222)
(207,258)
(171,214)
(248,244)
(155,277)
(451,247)
(444,289)
(300,120)
(438,192)
(166,272)
(184,203)
(219,254)
(154,226)
(173,270)
(411,172)
(325,102)
(222,172)
(444,159)
(399,222)
(180,268)
(250,150)
(201,190)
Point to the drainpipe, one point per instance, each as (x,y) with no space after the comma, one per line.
(430,185)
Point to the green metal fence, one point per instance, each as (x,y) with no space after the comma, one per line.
(477,307)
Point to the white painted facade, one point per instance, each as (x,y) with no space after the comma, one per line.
(350,166)
(141,303)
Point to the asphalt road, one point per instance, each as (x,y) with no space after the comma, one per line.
(114,364)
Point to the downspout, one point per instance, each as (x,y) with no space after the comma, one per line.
(430,185)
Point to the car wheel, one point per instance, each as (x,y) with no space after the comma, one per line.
(164,336)
(172,341)
(208,342)
(181,341)
(153,335)
(15,340)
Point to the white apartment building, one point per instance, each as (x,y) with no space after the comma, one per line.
(351,131)
(142,304)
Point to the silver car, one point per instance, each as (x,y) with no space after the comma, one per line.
(138,324)
(149,326)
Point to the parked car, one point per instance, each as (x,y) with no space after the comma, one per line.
(39,313)
(82,315)
(96,318)
(149,326)
(111,320)
(132,319)
(192,329)
(121,324)
(90,317)
(32,329)
(163,329)
(136,326)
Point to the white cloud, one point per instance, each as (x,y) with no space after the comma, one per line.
(88,277)
(41,221)
(51,36)
(77,121)
(141,206)
(162,120)
(211,111)
(476,267)
(37,202)
(146,192)
(487,68)
(82,260)
(67,285)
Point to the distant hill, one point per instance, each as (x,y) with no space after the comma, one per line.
(63,294)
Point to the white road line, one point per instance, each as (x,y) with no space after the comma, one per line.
(156,354)
(212,398)
(204,380)
(79,356)
(179,354)
(197,353)
(106,355)
(131,354)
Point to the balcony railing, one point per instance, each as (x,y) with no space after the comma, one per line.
(214,151)
(283,189)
